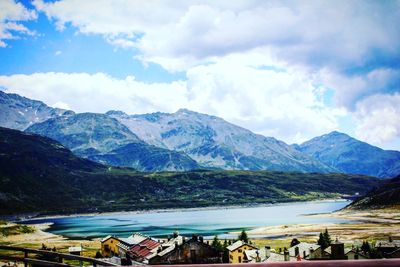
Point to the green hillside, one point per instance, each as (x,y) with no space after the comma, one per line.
(385,196)
(38,174)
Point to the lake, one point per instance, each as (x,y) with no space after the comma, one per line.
(206,222)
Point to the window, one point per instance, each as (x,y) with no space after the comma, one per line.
(240,251)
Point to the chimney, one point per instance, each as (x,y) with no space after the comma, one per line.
(258,259)
(286,255)
(267,252)
(296,251)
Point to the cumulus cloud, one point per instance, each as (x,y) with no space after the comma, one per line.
(378,118)
(349,89)
(274,102)
(180,34)
(11,15)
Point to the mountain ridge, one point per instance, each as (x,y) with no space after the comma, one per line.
(216,143)
(194,140)
(350,155)
(98,137)
(38,174)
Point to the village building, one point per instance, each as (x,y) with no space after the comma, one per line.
(354,254)
(386,247)
(305,250)
(236,251)
(393,254)
(192,251)
(126,244)
(144,250)
(109,246)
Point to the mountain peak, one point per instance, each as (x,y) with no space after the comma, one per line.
(116,113)
(187,111)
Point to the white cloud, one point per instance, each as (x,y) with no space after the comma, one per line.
(98,92)
(378,118)
(350,89)
(285,105)
(180,34)
(58,52)
(11,14)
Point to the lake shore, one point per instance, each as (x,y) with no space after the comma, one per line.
(372,225)
(25,218)
(40,236)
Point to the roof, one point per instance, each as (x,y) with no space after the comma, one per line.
(144,248)
(303,247)
(328,250)
(279,257)
(393,252)
(251,254)
(108,237)
(348,250)
(134,239)
(237,245)
(387,244)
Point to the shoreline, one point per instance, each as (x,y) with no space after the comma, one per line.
(370,225)
(90,214)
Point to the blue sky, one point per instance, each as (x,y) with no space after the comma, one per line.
(289,69)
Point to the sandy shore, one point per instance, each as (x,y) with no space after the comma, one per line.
(371,225)
(40,236)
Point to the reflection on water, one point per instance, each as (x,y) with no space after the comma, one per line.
(206,222)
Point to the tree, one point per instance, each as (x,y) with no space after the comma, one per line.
(216,243)
(327,237)
(294,242)
(366,248)
(322,241)
(243,236)
(225,243)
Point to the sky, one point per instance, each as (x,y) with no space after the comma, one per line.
(289,69)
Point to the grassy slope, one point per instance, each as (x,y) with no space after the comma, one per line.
(385,196)
(38,174)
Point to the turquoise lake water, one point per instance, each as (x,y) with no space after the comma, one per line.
(206,222)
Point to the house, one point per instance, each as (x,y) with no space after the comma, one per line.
(192,251)
(75,250)
(336,252)
(385,247)
(306,251)
(354,254)
(109,246)
(236,251)
(267,255)
(144,250)
(393,254)
(126,244)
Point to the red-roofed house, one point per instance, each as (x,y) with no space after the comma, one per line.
(144,250)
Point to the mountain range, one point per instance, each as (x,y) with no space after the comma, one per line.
(187,140)
(39,174)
